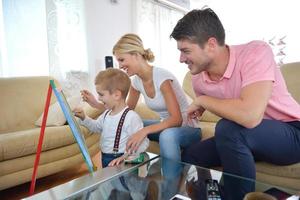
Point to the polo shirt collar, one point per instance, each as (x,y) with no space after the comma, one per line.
(229,69)
(231,63)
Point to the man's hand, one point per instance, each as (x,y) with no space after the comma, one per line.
(135,140)
(194,111)
(78,112)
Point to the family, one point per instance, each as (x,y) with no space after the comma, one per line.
(240,83)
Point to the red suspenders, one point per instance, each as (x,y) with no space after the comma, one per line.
(119,130)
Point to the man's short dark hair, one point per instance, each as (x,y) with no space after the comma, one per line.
(198,26)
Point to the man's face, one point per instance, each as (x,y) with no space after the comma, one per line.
(193,55)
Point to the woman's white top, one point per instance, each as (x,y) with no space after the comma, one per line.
(158,103)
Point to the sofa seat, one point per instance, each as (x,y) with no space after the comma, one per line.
(22,102)
(289,171)
(51,155)
(22,143)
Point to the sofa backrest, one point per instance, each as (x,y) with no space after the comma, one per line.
(22,102)
(290,72)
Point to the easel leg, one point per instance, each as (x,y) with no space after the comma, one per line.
(39,148)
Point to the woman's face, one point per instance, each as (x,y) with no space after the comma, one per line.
(127,62)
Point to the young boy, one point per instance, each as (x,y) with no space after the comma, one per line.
(117,123)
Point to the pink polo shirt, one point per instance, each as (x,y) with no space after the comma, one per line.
(249,63)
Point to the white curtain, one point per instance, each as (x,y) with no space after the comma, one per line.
(44,37)
(67,44)
(1,39)
(154,24)
(23,38)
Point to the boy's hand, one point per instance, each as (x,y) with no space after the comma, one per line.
(116,161)
(88,97)
(78,112)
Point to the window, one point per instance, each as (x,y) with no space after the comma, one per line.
(41,37)
(24,50)
(154,24)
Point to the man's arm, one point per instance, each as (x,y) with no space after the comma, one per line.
(248,110)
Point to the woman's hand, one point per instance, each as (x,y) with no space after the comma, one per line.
(135,140)
(88,97)
(116,161)
(78,112)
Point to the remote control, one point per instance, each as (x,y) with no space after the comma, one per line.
(212,190)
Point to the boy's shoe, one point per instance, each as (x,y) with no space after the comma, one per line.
(152,191)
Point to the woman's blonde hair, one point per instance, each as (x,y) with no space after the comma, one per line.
(132,43)
(113,79)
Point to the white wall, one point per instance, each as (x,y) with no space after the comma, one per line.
(259,20)
(106,22)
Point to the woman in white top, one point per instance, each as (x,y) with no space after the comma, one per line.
(163,94)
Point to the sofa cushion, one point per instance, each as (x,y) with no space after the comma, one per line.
(209,117)
(145,112)
(207,129)
(60,153)
(21,143)
(291,171)
(55,114)
(290,72)
(22,102)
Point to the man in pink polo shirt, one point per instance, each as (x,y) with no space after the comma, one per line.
(243,85)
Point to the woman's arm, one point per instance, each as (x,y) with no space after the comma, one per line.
(132,98)
(174,119)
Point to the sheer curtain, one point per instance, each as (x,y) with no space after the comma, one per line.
(67,44)
(1,39)
(23,38)
(44,37)
(154,24)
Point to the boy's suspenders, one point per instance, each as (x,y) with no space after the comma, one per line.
(119,130)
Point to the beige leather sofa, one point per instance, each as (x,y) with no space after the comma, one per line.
(285,176)
(22,102)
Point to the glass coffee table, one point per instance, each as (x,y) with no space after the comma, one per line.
(145,181)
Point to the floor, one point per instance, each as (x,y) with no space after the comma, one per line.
(42,184)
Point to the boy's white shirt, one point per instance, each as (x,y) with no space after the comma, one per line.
(106,125)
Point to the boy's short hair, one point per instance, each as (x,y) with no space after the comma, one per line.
(113,79)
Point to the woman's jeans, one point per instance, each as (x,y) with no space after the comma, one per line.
(171,141)
(236,148)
